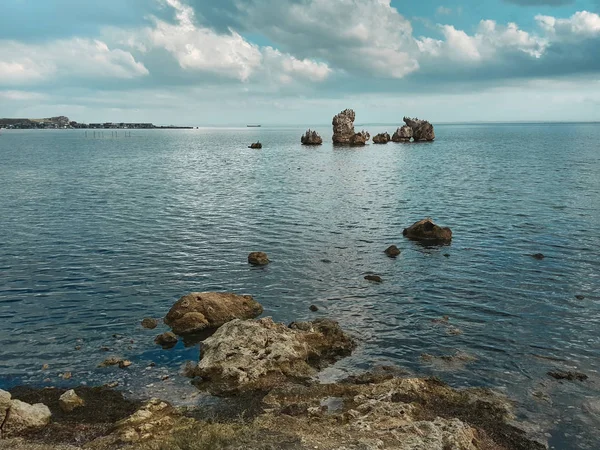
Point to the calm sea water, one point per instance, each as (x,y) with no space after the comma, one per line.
(96,234)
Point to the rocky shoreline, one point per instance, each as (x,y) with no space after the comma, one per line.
(261,378)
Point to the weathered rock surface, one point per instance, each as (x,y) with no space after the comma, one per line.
(149,323)
(427,231)
(200,311)
(156,418)
(311,138)
(21,416)
(256,145)
(343,127)
(569,376)
(381,138)
(70,401)
(392,251)
(422,130)
(5,398)
(259,354)
(360,138)
(258,259)
(403,134)
(166,340)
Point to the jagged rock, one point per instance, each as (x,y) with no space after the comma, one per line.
(259,354)
(360,138)
(422,130)
(403,134)
(149,323)
(4,406)
(70,401)
(156,418)
(392,251)
(311,138)
(381,138)
(199,311)
(256,145)
(425,230)
(343,127)
(22,416)
(166,340)
(258,259)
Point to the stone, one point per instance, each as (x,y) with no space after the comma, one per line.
(381,138)
(427,231)
(314,308)
(166,340)
(201,311)
(256,145)
(259,354)
(124,364)
(22,416)
(343,127)
(258,259)
(5,399)
(569,376)
(311,138)
(375,278)
(149,323)
(421,129)
(156,418)
(580,297)
(403,134)
(392,251)
(360,138)
(538,256)
(70,401)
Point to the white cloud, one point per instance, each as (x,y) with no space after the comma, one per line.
(580,24)
(22,63)
(443,11)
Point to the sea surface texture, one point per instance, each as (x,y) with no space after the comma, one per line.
(98,233)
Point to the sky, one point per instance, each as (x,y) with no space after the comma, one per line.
(292,62)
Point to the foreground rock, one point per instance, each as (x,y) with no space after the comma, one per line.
(70,401)
(256,145)
(17,416)
(427,231)
(421,129)
(258,259)
(343,127)
(260,354)
(381,138)
(311,138)
(403,134)
(166,340)
(200,311)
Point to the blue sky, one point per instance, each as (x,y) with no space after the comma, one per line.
(229,62)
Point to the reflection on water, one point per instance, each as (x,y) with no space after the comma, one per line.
(97,234)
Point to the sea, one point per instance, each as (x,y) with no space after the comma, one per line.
(100,229)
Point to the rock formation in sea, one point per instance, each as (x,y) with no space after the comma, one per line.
(259,354)
(343,127)
(422,129)
(427,231)
(403,134)
(200,311)
(311,137)
(381,138)
(166,340)
(258,259)
(360,138)
(392,251)
(256,145)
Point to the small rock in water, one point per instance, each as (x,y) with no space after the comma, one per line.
(444,319)
(124,364)
(149,323)
(78,347)
(427,231)
(453,331)
(70,401)
(166,340)
(314,308)
(45,367)
(104,349)
(580,297)
(375,278)
(392,251)
(67,376)
(538,256)
(258,259)
(111,385)
(569,376)
(447,255)
(112,361)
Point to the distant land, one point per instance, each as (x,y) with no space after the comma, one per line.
(63,122)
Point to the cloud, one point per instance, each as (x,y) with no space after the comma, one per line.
(581,24)
(22,63)
(541,2)
(443,11)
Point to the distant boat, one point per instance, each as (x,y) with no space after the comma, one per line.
(253,126)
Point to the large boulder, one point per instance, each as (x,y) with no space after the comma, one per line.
(311,138)
(427,231)
(200,311)
(260,354)
(381,138)
(403,134)
(22,416)
(5,398)
(422,130)
(343,127)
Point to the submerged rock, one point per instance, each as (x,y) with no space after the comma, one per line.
(70,401)
(149,323)
(166,340)
(343,127)
(538,256)
(260,354)
(311,138)
(421,129)
(258,259)
(427,231)
(200,311)
(314,308)
(392,251)
(569,376)
(375,278)
(403,134)
(256,145)
(381,138)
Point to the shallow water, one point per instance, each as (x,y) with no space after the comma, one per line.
(96,234)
